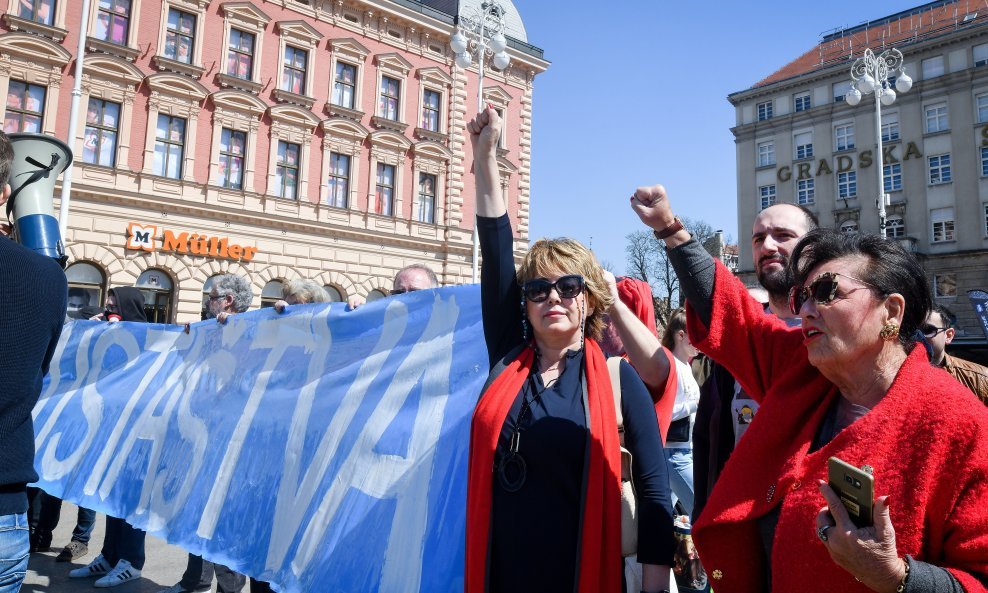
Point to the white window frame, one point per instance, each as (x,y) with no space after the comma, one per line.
(936,118)
(985,227)
(979,54)
(392,149)
(500,99)
(241,112)
(349,51)
(844,87)
(58,20)
(984,161)
(299,35)
(933,67)
(766,154)
(849,226)
(805,150)
(847,183)
(133,23)
(177,96)
(895,227)
(892,177)
(765,110)
(105,79)
(295,125)
(947,229)
(251,20)
(196,8)
(21,54)
(981,107)
(434,159)
(844,137)
(438,81)
(806,192)
(344,137)
(807,97)
(941,167)
(767,195)
(394,66)
(890,124)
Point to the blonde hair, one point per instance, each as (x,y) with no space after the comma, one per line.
(549,257)
(677,322)
(305,291)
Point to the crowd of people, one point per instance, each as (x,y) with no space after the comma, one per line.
(730,415)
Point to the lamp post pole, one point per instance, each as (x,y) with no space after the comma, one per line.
(478,36)
(870,74)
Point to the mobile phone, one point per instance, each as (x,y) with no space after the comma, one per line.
(856,488)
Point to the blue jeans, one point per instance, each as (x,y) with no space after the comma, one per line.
(681,477)
(15,545)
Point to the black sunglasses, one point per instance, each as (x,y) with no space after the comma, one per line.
(931,331)
(823,290)
(567,287)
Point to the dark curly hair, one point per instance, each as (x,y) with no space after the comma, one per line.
(890,268)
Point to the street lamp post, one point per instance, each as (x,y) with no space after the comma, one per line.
(870,74)
(479,36)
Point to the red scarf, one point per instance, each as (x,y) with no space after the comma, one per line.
(600,553)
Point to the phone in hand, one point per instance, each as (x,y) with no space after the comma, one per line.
(856,488)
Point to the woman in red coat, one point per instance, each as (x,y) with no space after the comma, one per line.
(849,384)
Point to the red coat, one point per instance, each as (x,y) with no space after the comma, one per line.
(927,441)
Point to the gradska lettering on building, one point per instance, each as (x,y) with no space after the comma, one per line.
(142,237)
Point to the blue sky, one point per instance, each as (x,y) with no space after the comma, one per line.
(637,94)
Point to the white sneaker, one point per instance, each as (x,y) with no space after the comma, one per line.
(178,588)
(120,574)
(98,567)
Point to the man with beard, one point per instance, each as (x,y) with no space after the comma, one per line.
(725,410)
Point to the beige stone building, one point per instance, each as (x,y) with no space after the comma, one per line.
(798,141)
(278,139)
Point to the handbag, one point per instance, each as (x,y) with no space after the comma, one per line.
(629,503)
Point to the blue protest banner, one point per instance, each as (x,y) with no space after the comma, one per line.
(320,449)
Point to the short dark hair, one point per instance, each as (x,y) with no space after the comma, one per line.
(6,158)
(891,269)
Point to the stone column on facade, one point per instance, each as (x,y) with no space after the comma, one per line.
(457,140)
(525,161)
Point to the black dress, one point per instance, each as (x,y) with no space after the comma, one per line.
(535,531)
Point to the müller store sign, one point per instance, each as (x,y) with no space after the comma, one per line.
(145,237)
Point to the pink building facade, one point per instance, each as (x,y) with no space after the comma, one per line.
(274,139)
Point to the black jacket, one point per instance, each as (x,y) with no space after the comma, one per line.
(130,303)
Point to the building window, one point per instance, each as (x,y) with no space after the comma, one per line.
(986,220)
(980,54)
(431,101)
(804,145)
(339,179)
(169,145)
(939,169)
(345,86)
(427,198)
(335,294)
(840,90)
(892,177)
(984,161)
(844,137)
(156,287)
(766,195)
(113,21)
(25,107)
(385,189)
(805,192)
(847,185)
(99,145)
(390,96)
(233,149)
(801,102)
(286,170)
(933,67)
(240,54)
(765,110)
(936,118)
(293,73)
(86,286)
(890,127)
(895,227)
(943,224)
(944,285)
(178,38)
(272,293)
(39,11)
(982,105)
(849,227)
(375,295)
(766,153)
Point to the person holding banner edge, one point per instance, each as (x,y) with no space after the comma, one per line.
(543,502)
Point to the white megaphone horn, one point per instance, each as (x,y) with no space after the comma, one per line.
(38,161)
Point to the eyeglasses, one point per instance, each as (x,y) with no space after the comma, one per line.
(823,289)
(216,298)
(931,331)
(567,287)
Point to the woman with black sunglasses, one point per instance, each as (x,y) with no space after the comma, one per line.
(543,508)
(850,384)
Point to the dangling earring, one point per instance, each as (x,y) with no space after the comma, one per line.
(890,332)
(583,322)
(524,320)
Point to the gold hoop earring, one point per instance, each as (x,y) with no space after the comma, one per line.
(890,332)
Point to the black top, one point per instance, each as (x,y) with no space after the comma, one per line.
(33,295)
(535,531)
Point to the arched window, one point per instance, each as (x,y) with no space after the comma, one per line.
(271,293)
(375,294)
(335,294)
(87,285)
(156,286)
(849,226)
(895,227)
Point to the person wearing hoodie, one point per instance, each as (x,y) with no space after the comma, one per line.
(122,557)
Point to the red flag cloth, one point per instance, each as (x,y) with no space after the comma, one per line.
(637,295)
(600,553)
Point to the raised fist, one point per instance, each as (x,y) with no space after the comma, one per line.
(652,206)
(485,130)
